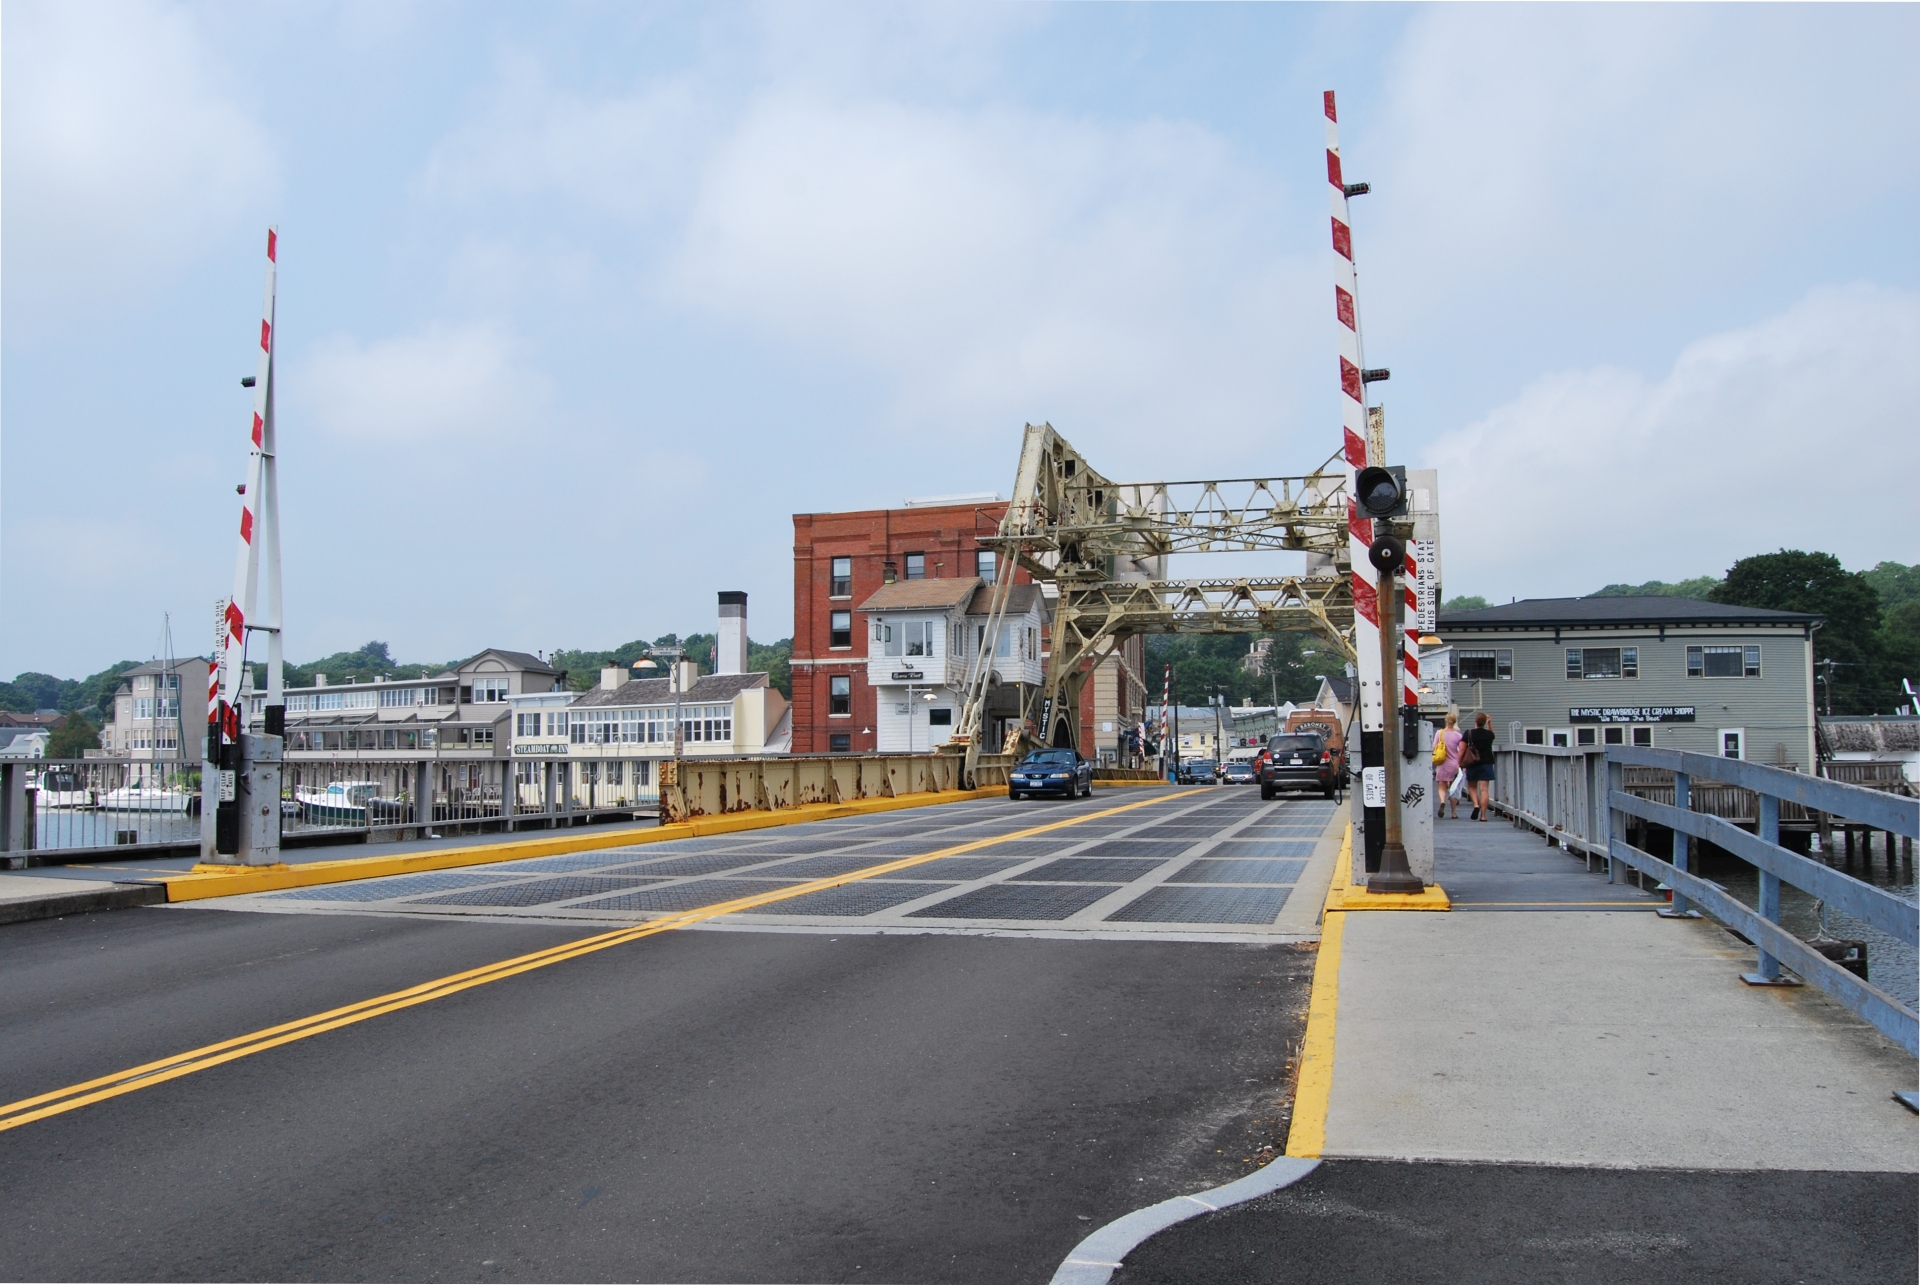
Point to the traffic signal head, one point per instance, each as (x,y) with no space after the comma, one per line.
(1387,554)
(1381,492)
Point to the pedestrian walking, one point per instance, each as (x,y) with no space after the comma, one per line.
(1476,756)
(1446,767)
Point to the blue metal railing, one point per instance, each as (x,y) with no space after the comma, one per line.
(1776,946)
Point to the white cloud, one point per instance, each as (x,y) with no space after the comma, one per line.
(996,262)
(1758,439)
(122,152)
(625,155)
(1613,150)
(470,382)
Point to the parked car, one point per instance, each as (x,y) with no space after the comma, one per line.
(1237,772)
(1299,761)
(1061,772)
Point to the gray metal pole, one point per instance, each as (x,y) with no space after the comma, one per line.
(1394,875)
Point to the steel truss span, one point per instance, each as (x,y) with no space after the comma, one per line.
(1103,545)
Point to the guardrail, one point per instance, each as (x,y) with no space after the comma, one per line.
(1559,791)
(1776,946)
(75,810)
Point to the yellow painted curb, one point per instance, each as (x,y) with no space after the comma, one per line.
(232,881)
(1307,1135)
(1342,895)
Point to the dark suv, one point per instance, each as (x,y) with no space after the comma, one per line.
(1298,761)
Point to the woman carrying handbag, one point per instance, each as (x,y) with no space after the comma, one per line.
(1446,767)
(1476,756)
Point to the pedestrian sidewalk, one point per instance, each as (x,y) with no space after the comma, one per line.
(1549,1082)
(24,897)
(1554,1018)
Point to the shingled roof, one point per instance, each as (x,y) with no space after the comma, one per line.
(706,690)
(1019,600)
(911,595)
(1645,609)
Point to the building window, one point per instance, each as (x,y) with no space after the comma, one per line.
(1733,741)
(1536,736)
(916,566)
(1643,736)
(1723,662)
(1487,666)
(1603,662)
(842,586)
(840,695)
(984,564)
(839,743)
(489,691)
(1615,736)
(1562,738)
(840,629)
(1586,735)
(920,636)
(939,718)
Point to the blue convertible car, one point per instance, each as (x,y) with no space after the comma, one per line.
(1060,772)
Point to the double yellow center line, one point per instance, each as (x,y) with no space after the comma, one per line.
(74,1096)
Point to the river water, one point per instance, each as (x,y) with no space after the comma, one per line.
(1891,963)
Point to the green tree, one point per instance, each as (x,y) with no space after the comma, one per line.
(1204,664)
(1899,651)
(1896,584)
(1701,587)
(1466,602)
(1792,580)
(33,691)
(73,738)
(773,659)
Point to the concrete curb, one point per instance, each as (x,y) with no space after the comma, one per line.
(1094,1260)
(118,897)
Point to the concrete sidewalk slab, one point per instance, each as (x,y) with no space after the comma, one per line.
(27,897)
(1600,1035)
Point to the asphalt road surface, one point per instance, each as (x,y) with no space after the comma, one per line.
(1478,1224)
(953,1081)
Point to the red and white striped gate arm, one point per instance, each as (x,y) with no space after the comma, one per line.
(1353,421)
(259,526)
(1410,618)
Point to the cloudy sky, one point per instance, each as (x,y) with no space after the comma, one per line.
(579,303)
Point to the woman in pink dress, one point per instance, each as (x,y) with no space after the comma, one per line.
(1448,768)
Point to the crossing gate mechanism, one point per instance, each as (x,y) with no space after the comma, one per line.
(1103,548)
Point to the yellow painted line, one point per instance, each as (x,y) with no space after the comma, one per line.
(1617,905)
(1307,1135)
(234,881)
(39,1107)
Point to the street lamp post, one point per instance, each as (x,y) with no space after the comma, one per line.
(673,655)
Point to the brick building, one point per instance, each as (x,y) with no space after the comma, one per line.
(840,560)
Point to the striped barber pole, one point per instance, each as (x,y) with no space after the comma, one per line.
(259,534)
(1166,699)
(1410,619)
(1353,419)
